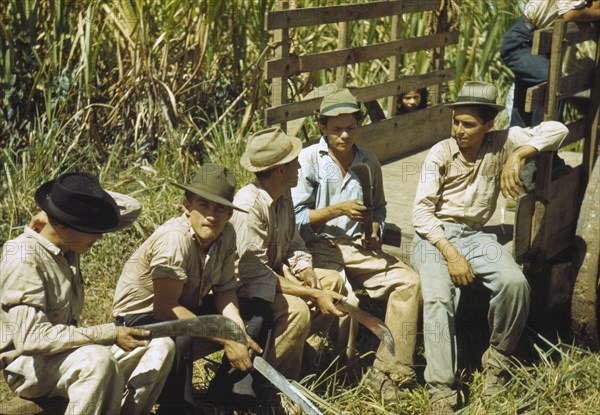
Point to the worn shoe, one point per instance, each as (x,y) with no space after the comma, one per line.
(381,383)
(496,375)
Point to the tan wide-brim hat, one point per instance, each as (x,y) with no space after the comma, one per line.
(477,93)
(215,183)
(270,148)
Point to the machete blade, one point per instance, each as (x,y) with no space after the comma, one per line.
(212,327)
(371,322)
(363,174)
(285,386)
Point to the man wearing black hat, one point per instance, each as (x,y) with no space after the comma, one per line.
(456,196)
(42,351)
(172,273)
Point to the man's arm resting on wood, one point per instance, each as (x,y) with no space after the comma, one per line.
(587,14)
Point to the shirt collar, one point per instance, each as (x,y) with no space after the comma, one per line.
(359,156)
(455,150)
(49,246)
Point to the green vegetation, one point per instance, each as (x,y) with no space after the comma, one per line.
(140,92)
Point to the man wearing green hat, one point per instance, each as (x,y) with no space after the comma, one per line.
(329,212)
(43,351)
(274,264)
(456,196)
(172,273)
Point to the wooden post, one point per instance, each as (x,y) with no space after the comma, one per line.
(394,63)
(544,163)
(590,148)
(340,76)
(279,85)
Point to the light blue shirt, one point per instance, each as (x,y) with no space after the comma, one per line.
(321,184)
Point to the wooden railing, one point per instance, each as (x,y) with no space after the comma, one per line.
(545,220)
(390,138)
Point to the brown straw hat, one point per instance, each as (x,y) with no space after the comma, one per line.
(270,148)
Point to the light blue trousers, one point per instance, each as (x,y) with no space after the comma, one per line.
(495,269)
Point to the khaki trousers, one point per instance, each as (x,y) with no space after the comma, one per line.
(96,379)
(298,327)
(382,276)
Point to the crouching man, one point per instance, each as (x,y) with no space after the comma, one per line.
(102,369)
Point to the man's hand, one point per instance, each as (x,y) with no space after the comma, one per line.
(38,221)
(126,337)
(325,301)
(309,278)
(354,209)
(460,271)
(238,354)
(510,184)
(374,243)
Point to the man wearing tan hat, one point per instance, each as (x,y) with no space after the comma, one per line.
(329,212)
(172,273)
(456,196)
(103,369)
(274,264)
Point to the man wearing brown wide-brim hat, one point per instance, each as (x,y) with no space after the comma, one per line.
(460,181)
(43,352)
(274,264)
(172,274)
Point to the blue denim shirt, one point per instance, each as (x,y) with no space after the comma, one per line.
(320,184)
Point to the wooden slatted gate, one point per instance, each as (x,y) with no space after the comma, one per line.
(390,138)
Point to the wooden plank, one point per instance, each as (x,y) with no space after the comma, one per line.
(279,84)
(394,63)
(562,211)
(554,70)
(340,77)
(307,107)
(522,228)
(569,86)
(314,62)
(590,150)
(576,132)
(312,16)
(575,33)
(404,134)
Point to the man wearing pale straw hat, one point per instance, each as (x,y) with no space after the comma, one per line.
(173,273)
(460,181)
(43,352)
(274,264)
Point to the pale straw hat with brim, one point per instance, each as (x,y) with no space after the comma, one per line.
(213,182)
(268,149)
(477,93)
(338,102)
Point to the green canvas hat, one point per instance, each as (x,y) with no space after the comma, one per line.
(339,102)
(215,183)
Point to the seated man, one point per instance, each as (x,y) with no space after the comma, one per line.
(456,196)
(42,352)
(170,276)
(273,262)
(329,212)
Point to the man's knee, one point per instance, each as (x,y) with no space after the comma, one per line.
(298,316)
(332,280)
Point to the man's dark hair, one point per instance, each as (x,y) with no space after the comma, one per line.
(485,113)
(189,196)
(357,114)
(263,175)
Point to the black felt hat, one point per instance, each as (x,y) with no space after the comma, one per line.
(78,201)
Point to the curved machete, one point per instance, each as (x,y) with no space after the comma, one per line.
(213,327)
(371,322)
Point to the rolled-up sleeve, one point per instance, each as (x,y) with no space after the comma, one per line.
(304,194)
(425,220)
(298,256)
(546,136)
(258,279)
(170,251)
